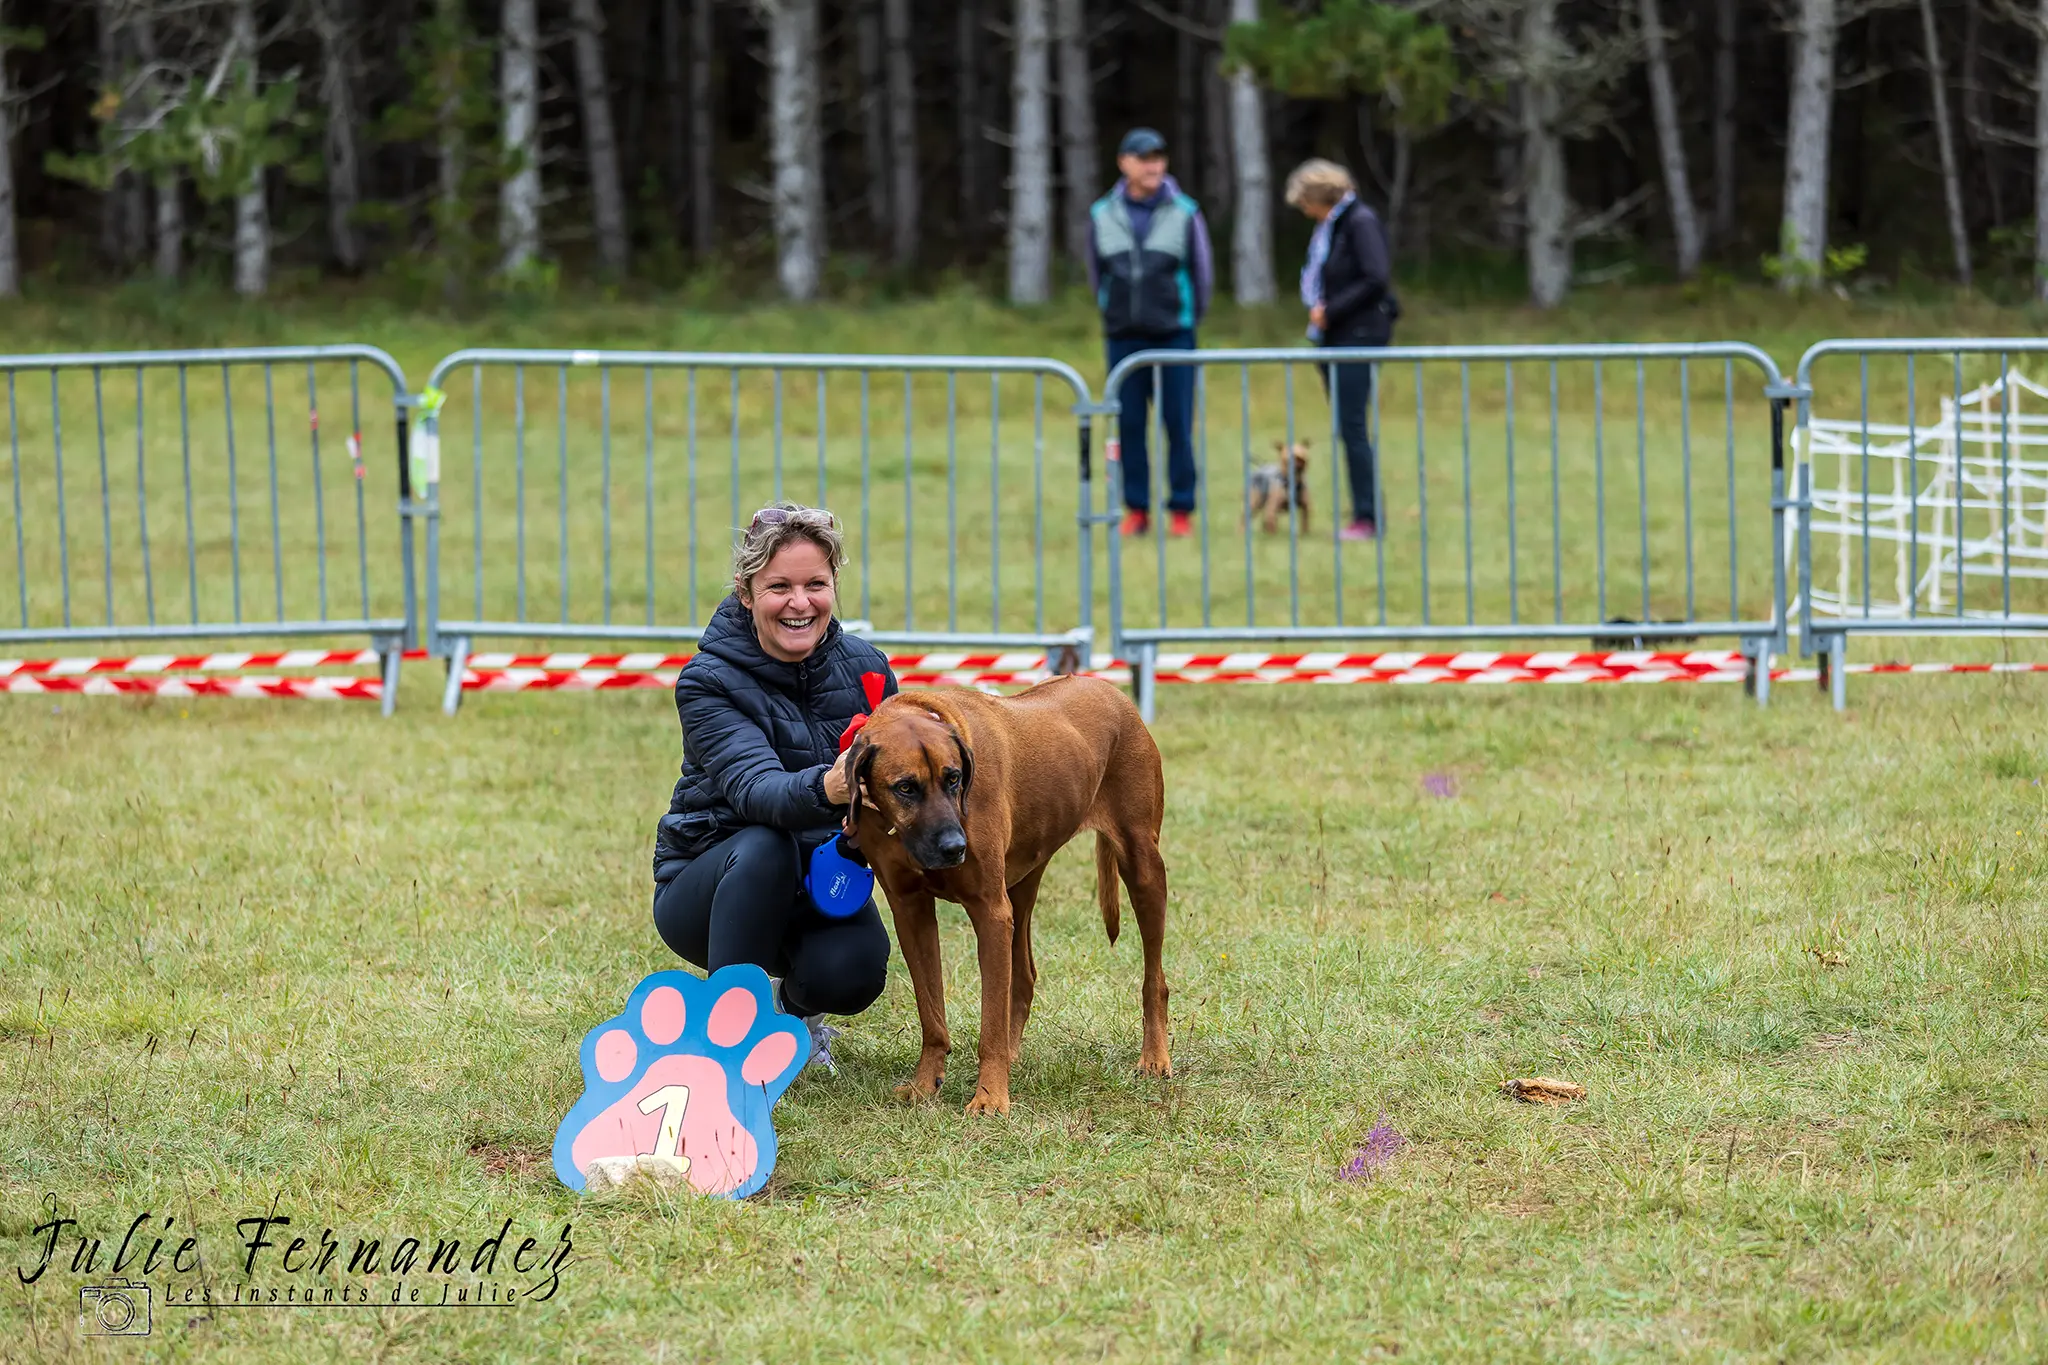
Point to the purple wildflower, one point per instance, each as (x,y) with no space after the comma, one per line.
(1382,1144)
(1440,784)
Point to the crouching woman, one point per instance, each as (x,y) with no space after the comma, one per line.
(773,687)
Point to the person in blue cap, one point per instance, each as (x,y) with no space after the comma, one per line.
(1151,268)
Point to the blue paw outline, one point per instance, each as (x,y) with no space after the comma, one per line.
(687,1074)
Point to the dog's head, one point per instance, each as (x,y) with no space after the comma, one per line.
(1297,454)
(914,769)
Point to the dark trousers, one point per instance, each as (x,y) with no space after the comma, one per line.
(742,900)
(1176,414)
(1352,402)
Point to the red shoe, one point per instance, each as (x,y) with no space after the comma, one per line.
(1180,524)
(1136,523)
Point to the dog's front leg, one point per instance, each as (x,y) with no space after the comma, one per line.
(993,936)
(917,936)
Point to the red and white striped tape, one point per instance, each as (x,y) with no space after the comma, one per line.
(196,663)
(100,685)
(162,674)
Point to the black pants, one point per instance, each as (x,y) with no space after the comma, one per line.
(742,900)
(1352,401)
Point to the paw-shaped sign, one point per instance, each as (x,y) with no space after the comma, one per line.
(679,1086)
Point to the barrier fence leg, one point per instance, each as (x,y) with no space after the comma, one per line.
(1756,670)
(458,664)
(390,649)
(1144,677)
(1838,670)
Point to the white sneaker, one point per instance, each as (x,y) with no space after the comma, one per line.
(821,1033)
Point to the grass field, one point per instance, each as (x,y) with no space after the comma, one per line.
(281,955)
(294,958)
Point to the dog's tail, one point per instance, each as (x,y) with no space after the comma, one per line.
(1105,885)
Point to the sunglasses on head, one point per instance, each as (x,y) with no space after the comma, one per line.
(802,516)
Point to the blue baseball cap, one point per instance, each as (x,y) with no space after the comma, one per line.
(1142,142)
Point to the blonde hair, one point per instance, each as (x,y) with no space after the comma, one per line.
(776,526)
(1317,180)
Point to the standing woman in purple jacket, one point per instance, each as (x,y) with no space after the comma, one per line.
(1348,290)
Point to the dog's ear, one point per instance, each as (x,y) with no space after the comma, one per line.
(966,768)
(862,758)
(1280,446)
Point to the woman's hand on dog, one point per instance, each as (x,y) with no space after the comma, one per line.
(839,780)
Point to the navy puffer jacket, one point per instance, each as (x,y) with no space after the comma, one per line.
(759,735)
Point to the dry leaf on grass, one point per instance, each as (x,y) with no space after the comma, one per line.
(1543,1090)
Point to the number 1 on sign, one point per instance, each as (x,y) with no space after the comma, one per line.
(672,1100)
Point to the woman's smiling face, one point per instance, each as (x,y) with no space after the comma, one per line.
(792,601)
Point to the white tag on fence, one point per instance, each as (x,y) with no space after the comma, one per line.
(426,457)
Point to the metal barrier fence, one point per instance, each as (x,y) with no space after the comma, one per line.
(192,535)
(595,495)
(1545,507)
(1933,487)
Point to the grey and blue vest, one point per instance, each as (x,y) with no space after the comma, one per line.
(1148,287)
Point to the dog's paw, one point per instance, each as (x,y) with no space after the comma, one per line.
(918,1092)
(679,1086)
(985,1103)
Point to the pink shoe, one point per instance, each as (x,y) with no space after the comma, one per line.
(1136,522)
(1361,529)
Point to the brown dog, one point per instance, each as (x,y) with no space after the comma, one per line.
(964,796)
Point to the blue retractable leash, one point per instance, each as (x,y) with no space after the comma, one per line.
(837,884)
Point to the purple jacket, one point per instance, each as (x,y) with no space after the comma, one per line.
(1202,260)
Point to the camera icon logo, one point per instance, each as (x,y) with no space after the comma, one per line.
(118,1308)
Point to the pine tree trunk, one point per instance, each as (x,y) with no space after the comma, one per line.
(874,116)
(1804,234)
(904,185)
(344,191)
(600,142)
(170,227)
(637,99)
(1216,173)
(703,182)
(675,123)
(1031,197)
(450,222)
(1187,78)
(793,135)
(10,249)
(967,108)
(252,214)
(1951,176)
(1685,223)
(123,225)
(1984,143)
(2041,155)
(519,98)
(1077,124)
(1397,192)
(1251,246)
(1725,94)
(1510,220)
(170,204)
(1549,241)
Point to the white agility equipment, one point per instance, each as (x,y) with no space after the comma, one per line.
(1962,496)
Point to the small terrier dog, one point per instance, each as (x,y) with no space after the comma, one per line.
(1268,494)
